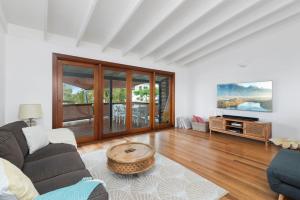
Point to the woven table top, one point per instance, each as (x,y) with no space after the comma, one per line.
(130,152)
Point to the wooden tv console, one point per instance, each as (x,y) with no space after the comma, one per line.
(254,130)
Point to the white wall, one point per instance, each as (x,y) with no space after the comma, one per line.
(29,69)
(270,55)
(2,76)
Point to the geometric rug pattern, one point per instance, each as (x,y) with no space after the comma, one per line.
(167,180)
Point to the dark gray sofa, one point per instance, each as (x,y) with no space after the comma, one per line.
(284,174)
(52,167)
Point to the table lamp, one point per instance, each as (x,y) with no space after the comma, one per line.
(30,112)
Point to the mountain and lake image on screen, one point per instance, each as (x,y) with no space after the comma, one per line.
(253,96)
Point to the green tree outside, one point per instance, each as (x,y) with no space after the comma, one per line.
(75,95)
(78,95)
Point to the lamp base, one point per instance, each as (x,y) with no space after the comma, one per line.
(31,122)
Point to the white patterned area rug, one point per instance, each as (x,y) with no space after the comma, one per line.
(167,180)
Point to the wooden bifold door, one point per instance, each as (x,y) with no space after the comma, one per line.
(77,99)
(96,99)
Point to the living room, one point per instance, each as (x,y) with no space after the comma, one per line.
(103,74)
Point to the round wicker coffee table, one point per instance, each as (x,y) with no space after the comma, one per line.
(130,158)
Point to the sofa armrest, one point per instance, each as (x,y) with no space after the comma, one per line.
(99,193)
(62,135)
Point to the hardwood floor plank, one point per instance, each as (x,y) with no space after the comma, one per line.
(236,164)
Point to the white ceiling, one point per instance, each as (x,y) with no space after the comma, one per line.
(174,31)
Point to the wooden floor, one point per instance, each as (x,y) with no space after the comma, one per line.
(236,164)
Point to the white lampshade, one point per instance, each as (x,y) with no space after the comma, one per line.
(30,111)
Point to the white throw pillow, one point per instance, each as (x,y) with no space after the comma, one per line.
(14,184)
(36,137)
(62,135)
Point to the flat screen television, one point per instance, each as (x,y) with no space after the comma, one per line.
(251,96)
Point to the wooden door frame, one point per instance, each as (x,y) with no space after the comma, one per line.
(56,58)
(58,97)
(101,133)
(171,104)
(143,129)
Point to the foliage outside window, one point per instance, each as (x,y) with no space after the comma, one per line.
(142,93)
(76,95)
(118,94)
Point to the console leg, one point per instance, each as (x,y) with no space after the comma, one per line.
(267,143)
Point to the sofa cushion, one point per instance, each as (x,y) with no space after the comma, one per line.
(10,150)
(60,181)
(285,167)
(16,129)
(52,166)
(50,150)
(14,184)
(36,137)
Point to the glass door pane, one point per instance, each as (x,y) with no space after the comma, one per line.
(78,100)
(140,97)
(162,100)
(114,101)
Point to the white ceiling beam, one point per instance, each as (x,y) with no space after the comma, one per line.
(46,7)
(3,22)
(86,21)
(159,22)
(249,34)
(182,29)
(124,21)
(237,15)
(162,56)
(266,14)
